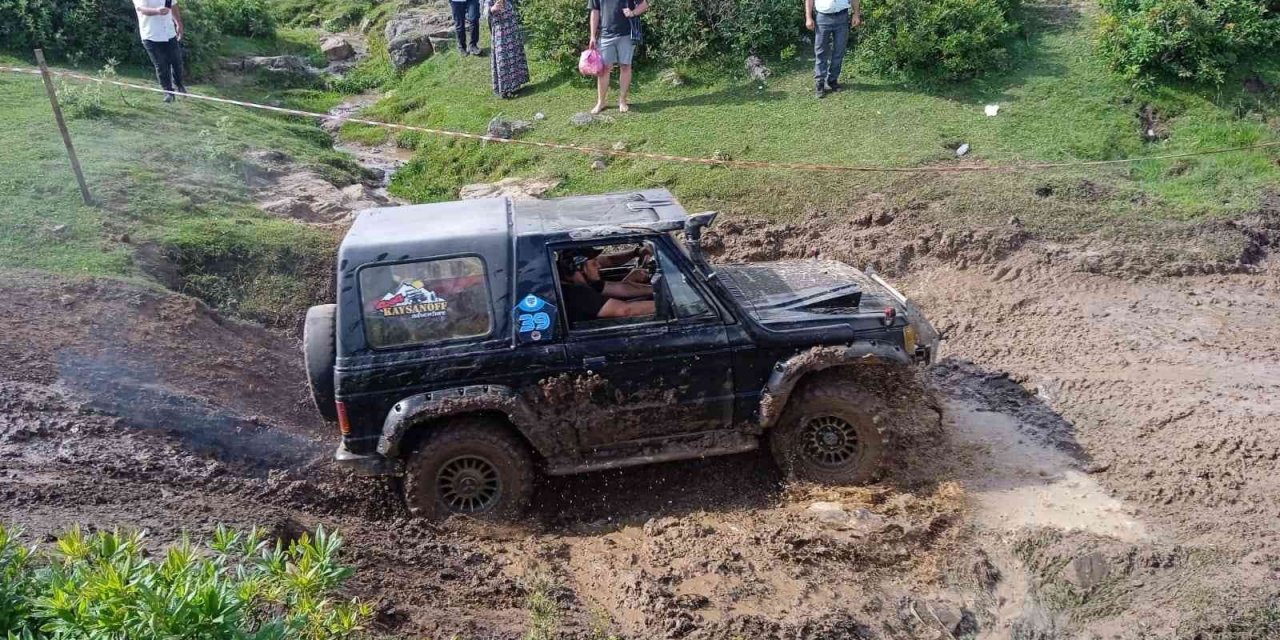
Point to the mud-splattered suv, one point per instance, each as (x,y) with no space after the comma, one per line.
(476,344)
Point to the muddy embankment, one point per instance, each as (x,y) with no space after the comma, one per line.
(1107,465)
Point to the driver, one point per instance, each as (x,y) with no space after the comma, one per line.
(588,297)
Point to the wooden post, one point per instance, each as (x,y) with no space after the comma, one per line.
(62,127)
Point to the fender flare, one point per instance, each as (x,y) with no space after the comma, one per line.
(788,373)
(414,410)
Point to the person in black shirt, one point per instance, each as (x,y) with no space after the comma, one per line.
(611,33)
(588,297)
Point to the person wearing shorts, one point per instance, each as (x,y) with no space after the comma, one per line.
(611,35)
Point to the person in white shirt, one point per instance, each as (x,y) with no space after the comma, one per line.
(830,20)
(160,25)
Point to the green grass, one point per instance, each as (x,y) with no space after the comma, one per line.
(168,176)
(1058,103)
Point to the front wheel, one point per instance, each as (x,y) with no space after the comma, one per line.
(469,466)
(830,433)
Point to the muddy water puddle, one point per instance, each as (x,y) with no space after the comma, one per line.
(1017,483)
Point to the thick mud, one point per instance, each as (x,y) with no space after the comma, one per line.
(1108,464)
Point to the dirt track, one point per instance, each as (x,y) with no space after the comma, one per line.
(1110,463)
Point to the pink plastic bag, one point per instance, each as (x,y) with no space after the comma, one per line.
(590,64)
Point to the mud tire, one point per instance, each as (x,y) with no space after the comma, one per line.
(320,353)
(468,439)
(830,403)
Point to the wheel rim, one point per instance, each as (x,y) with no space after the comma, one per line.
(469,484)
(829,441)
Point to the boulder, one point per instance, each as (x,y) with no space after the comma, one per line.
(1087,571)
(411,32)
(514,188)
(337,48)
(283,65)
(501,127)
(586,118)
(829,513)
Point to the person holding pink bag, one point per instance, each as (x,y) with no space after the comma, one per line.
(614,34)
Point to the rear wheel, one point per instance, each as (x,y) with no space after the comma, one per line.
(470,466)
(830,433)
(319,354)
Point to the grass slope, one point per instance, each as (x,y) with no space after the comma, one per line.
(169,180)
(1058,103)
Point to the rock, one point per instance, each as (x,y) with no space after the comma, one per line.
(283,65)
(672,77)
(411,32)
(1087,571)
(539,116)
(756,69)
(58,229)
(586,118)
(336,48)
(1015,221)
(66,300)
(598,164)
(500,127)
(307,196)
(828,513)
(514,188)
(619,146)
(992,110)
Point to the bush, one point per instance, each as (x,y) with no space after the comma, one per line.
(104,585)
(676,31)
(94,31)
(1197,40)
(948,38)
(250,18)
(558,29)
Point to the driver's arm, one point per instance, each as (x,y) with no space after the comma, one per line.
(623,309)
(627,290)
(619,259)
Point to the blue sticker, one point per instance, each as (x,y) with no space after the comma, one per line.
(535,319)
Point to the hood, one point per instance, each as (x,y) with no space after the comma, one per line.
(798,289)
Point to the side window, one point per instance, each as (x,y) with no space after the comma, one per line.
(686,302)
(605,285)
(425,302)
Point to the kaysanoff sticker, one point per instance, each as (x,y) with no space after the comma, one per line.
(414,301)
(535,319)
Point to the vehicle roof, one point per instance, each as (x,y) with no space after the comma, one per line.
(402,233)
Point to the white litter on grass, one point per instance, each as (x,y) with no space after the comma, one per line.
(962,149)
(993,109)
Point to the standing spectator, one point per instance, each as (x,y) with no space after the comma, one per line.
(160,24)
(466,13)
(611,34)
(510,68)
(831,37)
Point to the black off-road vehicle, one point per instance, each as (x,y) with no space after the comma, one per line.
(455,358)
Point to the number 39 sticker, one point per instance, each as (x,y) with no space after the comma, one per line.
(535,319)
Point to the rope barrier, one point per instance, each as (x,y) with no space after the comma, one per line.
(594,151)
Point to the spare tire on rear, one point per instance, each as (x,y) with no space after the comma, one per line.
(320,352)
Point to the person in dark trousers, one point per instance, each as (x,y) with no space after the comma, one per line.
(611,34)
(830,20)
(466,13)
(160,25)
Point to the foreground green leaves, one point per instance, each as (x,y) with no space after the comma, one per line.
(240,587)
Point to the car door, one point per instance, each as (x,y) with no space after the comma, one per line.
(654,377)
